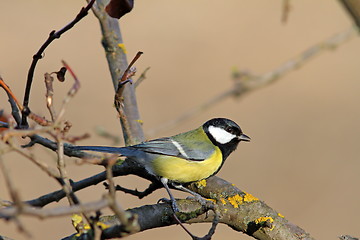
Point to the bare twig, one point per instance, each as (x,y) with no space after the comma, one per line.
(4,136)
(5,203)
(141,78)
(15,198)
(347,237)
(129,221)
(44,167)
(5,238)
(10,93)
(49,95)
(38,55)
(65,183)
(118,170)
(353,8)
(71,93)
(9,184)
(286,7)
(115,139)
(150,189)
(248,82)
(119,100)
(54,212)
(14,106)
(12,98)
(126,77)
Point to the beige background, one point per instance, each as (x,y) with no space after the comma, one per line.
(304,157)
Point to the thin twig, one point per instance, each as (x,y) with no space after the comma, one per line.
(102,132)
(38,55)
(71,93)
(119,100)
(128,221)
(9,184)
(14,106)
(286,7)
(4,136)
(43,166)
(49,95)
(14,197)
(141,78)
(40,120)
(353,9)
(248,82)
(65,183)
(55,212)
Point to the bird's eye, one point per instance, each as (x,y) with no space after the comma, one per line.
(230,130)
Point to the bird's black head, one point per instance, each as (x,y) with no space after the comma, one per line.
(225,134)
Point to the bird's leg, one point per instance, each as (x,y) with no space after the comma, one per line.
(197,196)
(152,187)
(174,206)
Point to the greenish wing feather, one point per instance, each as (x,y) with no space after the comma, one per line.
(192,150)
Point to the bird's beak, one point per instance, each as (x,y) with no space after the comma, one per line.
(245,138)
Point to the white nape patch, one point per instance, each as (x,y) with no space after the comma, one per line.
(220,135)
(180,148)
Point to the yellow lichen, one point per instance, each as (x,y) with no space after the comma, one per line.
(201,184)
(250,198)
(81,227)
(235,200)
(78,223)
(122,46)
(222,200)
(102,225)
(265,219)
(212,200)
(76,219)
(280,215)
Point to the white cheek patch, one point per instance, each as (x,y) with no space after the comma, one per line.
(220,135)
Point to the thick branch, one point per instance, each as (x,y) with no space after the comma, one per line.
(237,209)
(117,61)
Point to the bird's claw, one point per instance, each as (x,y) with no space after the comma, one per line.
(168,201)
(164,200)
(201,200)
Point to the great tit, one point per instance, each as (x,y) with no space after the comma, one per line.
(186,157)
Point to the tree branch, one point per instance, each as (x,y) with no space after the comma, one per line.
(235,208)
(246,82)
(116,56)
(38,55)
(353,8)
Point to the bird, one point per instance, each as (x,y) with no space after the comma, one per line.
(186,157)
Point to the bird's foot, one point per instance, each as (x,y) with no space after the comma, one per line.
(169,201)
(203,201)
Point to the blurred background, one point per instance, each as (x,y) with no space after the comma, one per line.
(303,159)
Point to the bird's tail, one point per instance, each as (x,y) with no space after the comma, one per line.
(119,150)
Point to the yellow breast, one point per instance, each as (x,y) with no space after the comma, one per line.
(183,171)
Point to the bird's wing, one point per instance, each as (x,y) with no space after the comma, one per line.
(193,150)
(169,147)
